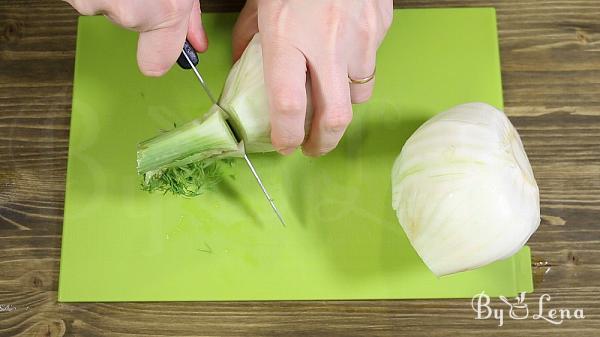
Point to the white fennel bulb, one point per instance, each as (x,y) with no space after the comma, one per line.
(245,97)
(464,191)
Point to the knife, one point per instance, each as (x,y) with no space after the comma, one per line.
(189,60)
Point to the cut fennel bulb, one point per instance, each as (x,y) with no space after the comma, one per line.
(186,158)
(464,191)
(245,98)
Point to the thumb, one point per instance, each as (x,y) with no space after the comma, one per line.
(245,28)
(159,49)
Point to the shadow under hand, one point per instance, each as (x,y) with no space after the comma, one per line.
(343,199)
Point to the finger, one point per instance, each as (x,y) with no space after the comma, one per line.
(158,49)
(332,106)
(196,34)
(285,79)
(245,28)
(362,66)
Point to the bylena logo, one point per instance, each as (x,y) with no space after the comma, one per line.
(519,310)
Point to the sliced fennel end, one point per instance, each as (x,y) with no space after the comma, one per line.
(188,159)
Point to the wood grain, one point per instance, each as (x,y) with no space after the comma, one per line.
(551,71)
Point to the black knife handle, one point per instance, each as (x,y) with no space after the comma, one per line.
(191,54)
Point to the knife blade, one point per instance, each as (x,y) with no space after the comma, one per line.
(190,57)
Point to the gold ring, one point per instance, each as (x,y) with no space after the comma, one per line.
(361,80)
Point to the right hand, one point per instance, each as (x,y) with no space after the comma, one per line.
(330,40)
(163,25)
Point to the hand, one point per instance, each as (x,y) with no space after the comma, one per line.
(328,39)
(163,27)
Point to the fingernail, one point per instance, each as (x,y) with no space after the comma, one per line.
(310,153)
(286,151)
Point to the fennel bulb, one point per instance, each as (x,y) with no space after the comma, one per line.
(245,97)
(464,191)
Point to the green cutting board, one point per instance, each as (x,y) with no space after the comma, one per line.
(342,240)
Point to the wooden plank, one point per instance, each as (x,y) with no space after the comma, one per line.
(551,70)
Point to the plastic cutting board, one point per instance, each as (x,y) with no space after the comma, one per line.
(342,240)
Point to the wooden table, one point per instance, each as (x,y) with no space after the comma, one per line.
(551,72)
